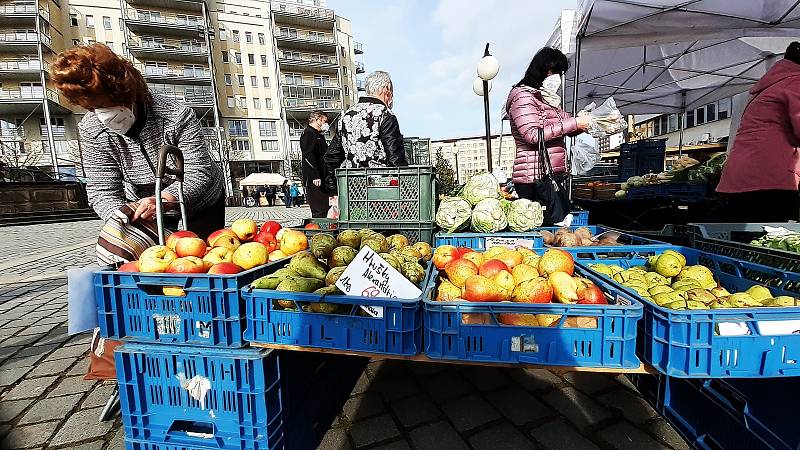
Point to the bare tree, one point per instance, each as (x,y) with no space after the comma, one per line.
(19,155)
(223,152)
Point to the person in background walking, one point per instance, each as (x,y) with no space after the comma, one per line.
(287,198)
(294,193)
(271,194)
(313,146)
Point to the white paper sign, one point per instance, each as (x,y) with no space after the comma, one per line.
(512,243)
(778,327)
(369,275)
(733,329)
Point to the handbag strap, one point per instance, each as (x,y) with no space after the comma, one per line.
(544,156)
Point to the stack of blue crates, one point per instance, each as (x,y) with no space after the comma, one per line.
(641,157)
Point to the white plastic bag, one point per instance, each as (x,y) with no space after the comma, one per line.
(606,119)
(333,211)
(584,157)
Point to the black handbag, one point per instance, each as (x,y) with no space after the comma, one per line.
(549,190)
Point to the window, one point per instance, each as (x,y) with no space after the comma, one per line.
(343,51)
(293,78)
(237,127)
(76,42)
(266,82)
(238,57)
(107,22)
(656,127)
(322,80)
(253,81)
(73,20)
(689,119)
(267,128)
(241,146)
(268,103)
(235,35)
(673,123)
(264,60)
(228,81)
(724,108)
(121,24)
(243,102)
(347,90)
(711,112)
(251,59)
(231,102)
(225,57)
(261,39)
(248,37)
(700,116)
(240,79)
(256,103)
(89,21)
(269,146)
(344,70)
(664,124)
(223,35)
(110,44)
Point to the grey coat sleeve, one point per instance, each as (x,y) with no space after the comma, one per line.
(105,182)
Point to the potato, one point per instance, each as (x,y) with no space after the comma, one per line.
(586,242)
(584,233)
(568,240)
(563,230)
(548,237)
(608,241)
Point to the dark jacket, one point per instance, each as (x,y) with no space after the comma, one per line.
(368,135)
(313,147)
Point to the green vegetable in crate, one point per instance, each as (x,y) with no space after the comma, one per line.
(296,285)
(479,187)
(272,280)
(350,238)
(333,275)
(453,214)
(411,254)
(377,242)
(425,250)
(391,260)
(307,266)
(397,241)
(414,272)
(366,232)
(328,290)
(322,244)
(488,216)
(342,256)
(524,215)
(781,301)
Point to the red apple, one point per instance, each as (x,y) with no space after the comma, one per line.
(245,229)
(589,293)
(190,246)
(490,268)
(270,227)
(130,266)
(218,254)
(219,233)
(268,239)
(312,226)
(187,264)
(224,268)
(224,238)
(156,259)
(443,255)
(172,239)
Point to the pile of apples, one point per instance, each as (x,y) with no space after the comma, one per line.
(227,251)
(513,275)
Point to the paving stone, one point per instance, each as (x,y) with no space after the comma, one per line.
(29,388)
(50,409)
(577,407)
(36,329)
(73,351)
(94,445)
(501,437)
(664,432)
(362,384)
(28,361)
(518,406)
(99,396)
(632,407)
(469,412)
(118,441)
(4,429)
(446,385)
(536,379)
(81,368)
(23,341)
(11,409)
(362,406)
(387,368)
(72,385)
(50,368)
(558,435)
(334,439)
(81,339)
(590,382)
(39,351)
(28,436)
(396,445)
(394,388)
(372,431)
(437,436)
(415,410)
(81,426)
(486,378)
(11,376)
(624,436)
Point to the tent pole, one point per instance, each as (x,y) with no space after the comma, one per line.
(680,123)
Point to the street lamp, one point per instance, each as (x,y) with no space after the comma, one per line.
(488,67)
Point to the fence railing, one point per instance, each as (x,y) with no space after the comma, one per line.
(304,10)
(305,36)
(175,71)
(12,93)
(23,64)
(23,8)
(161,18)
(306,57)
(23,37)
(311,103)
(311,83)
(168,44)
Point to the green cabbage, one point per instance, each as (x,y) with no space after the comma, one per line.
(524,215)
(488,216)
(453,214)
(479,187)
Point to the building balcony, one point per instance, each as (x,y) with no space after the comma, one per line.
(22,41)
(22,68)
(361,86)
(25,100)
(310,104)
(333,84)
(175,75)
(358,48)
(168,49)
(305,40)
(15,134)
(200,99)
(183,5)
(303,15)
(307,62)
(158,22)
(21,13)
(360,67)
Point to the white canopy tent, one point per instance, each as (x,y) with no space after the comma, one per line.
(262,179)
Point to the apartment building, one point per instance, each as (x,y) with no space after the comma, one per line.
(467,155)
(252,70)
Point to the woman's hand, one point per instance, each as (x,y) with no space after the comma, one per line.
(583,122)
(146,207)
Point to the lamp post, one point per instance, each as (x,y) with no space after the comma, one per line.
(488,67)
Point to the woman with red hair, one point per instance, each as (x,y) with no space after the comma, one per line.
(121,135)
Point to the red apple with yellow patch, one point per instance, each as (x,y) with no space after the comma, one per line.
(224,268)
(187,264)
(156,259)
(224,238)
(443,255)
(245,229)
(130,266)
(491,267)
(218,254)
(172,239)
(459,270)
(190,246)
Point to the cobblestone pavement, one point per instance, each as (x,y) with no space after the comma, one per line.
(45,403)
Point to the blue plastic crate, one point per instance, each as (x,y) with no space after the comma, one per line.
(630,239)
(240,410)
(686,343)
(686,192)
(611,344)
(398,332)
(580,218)
(132,307)
(477,241)
(277,442)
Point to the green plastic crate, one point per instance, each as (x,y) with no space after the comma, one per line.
(415,232)
(387,195)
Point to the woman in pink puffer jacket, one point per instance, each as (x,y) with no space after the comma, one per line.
(531,108)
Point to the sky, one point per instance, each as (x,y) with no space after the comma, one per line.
(431,50)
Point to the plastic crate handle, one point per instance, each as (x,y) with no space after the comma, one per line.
(192,433)
(151,281)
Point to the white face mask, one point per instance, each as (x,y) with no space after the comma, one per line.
(550,87)
(325,127)
(118,119)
